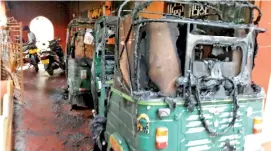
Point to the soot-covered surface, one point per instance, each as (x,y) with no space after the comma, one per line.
(44,121)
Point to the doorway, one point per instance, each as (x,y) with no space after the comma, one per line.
(43,29)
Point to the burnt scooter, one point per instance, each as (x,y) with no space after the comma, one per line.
(54,58)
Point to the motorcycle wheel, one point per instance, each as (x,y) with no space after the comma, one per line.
(63,66)
(34,62)
(50,70)
(36,67)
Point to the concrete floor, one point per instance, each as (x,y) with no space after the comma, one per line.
(44,122)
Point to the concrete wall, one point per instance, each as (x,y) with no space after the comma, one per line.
(262,68)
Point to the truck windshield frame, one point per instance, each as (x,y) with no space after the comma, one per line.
(137,23)
(198,39)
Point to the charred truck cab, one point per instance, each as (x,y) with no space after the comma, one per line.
(183,83)
(78,62)
(102,69)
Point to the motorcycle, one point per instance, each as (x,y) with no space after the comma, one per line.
(54,58)
(31,56)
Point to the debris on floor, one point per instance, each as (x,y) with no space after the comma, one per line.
(44,121)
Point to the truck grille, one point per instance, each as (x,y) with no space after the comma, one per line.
(196,138)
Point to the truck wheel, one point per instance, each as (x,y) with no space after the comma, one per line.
(95,147)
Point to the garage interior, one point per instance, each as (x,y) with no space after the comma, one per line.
(39,117)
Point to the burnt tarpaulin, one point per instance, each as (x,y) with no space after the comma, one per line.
(164,64)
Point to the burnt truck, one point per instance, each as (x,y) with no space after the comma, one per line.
(79,57)
(182,82)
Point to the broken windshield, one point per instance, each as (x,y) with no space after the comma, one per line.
(162,56)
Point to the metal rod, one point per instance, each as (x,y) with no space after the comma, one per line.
(121,6)
(199,22)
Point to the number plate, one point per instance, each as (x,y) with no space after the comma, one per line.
(32,51)
(45,61)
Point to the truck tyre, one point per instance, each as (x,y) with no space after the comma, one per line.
(96,147)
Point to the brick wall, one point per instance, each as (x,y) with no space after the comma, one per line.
(262,68)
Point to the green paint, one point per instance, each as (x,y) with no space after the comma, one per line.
(101,69)
(127,97)
(122,116)
(179,101)
(121,142)
(109,82)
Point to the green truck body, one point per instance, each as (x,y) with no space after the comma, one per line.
(211,105)
(185,131)
(103,62)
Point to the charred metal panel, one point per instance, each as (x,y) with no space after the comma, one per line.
(227,69)
(125,49)
(237,61)
(122,119)
(202,39)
